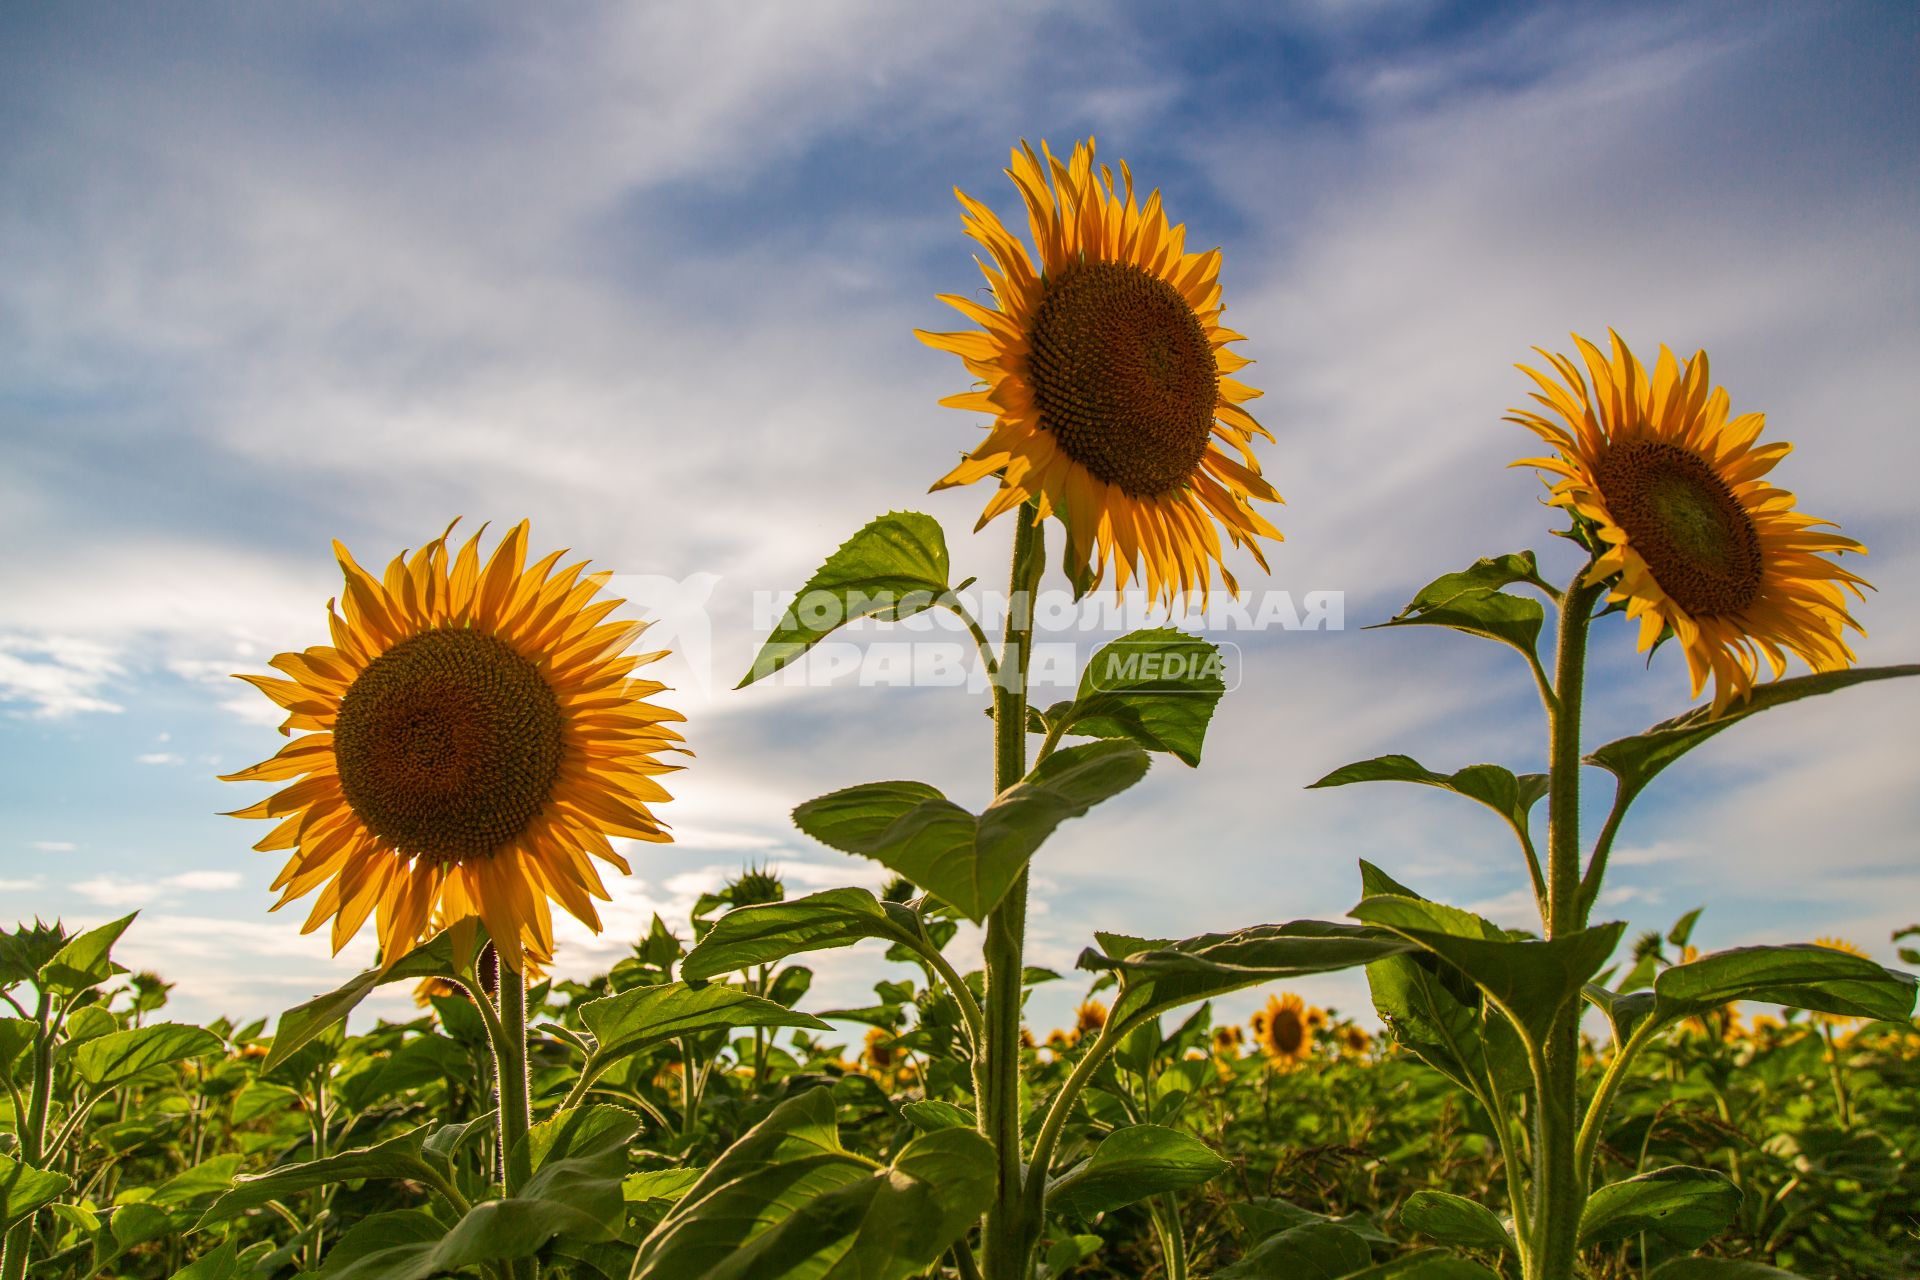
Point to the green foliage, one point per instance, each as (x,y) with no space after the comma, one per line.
(893,568)
(1473,601)
(1131,1164)
(1156,687)
(969,861)
(1637,760)
(1685,1205)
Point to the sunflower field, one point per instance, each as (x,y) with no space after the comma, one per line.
(478,742)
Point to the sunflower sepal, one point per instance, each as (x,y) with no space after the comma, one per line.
(895,566)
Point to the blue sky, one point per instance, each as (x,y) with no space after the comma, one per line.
(648,275)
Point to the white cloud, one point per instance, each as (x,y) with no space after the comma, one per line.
(54,846)
(113,891)
(159,757)
(57,675)
(22,886)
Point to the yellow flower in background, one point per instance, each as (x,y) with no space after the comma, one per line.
(1284,1028)
(1088,1019)
(879,1050)
(1107,373)
(1702,546)
(1354,1041)
(1227,1041)
(468,744)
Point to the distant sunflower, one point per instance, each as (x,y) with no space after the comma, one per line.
(471,736)
(1354,1041)
(1699,544)
(1088,1019)
(1107,373)
(1285,1033)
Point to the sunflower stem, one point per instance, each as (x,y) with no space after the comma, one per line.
(1559,1184)
(510,1066)
(1009,1238)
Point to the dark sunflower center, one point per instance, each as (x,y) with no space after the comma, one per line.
(1683,519)
(448,744)
(1288,1032)
(1123,376)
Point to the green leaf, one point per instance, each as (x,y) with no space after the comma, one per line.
(89,1022)
(787,1200)
(1452,1219)
(1472,601)
(1156,976)
(1801,976)
(135,1224)
(16,1037)
(645,1016)
(210,1177)
(1426,1264)
(25,1189)
(378,1247)
(1635,761)
(1530,980)
(397,1157)
(1131,1164)
(116,1058)
(773,931)
(434,959)
(1625,1010)
(1435,1014)
(1493,786)
(931,1114)
(970,862)
(1312,1251)
(84,962)
(1718,1269)
(1682,1204)
(1157,687)
(222,1264)
(892,569)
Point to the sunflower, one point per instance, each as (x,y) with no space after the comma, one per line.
(879,1050)
(1088,1019)
(1284,1029)
(1354,1040)
(1107,374)
(1227,1041)
(1695,542)
(471,736)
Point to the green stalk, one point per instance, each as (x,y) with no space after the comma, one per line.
(33,1136)
(1559,1187)
(1007,1245)
(516,1107)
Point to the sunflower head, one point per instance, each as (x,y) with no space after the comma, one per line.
(1692,539)
(1106,369)
(1285,1036)
(879,1051)
(1089,1019)
(1354,1041)
(755,886)
(467,745)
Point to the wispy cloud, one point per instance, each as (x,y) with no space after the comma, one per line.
(112,891)
(57,675)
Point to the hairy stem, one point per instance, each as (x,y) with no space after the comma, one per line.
(1010,1233)
(1559,1188)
